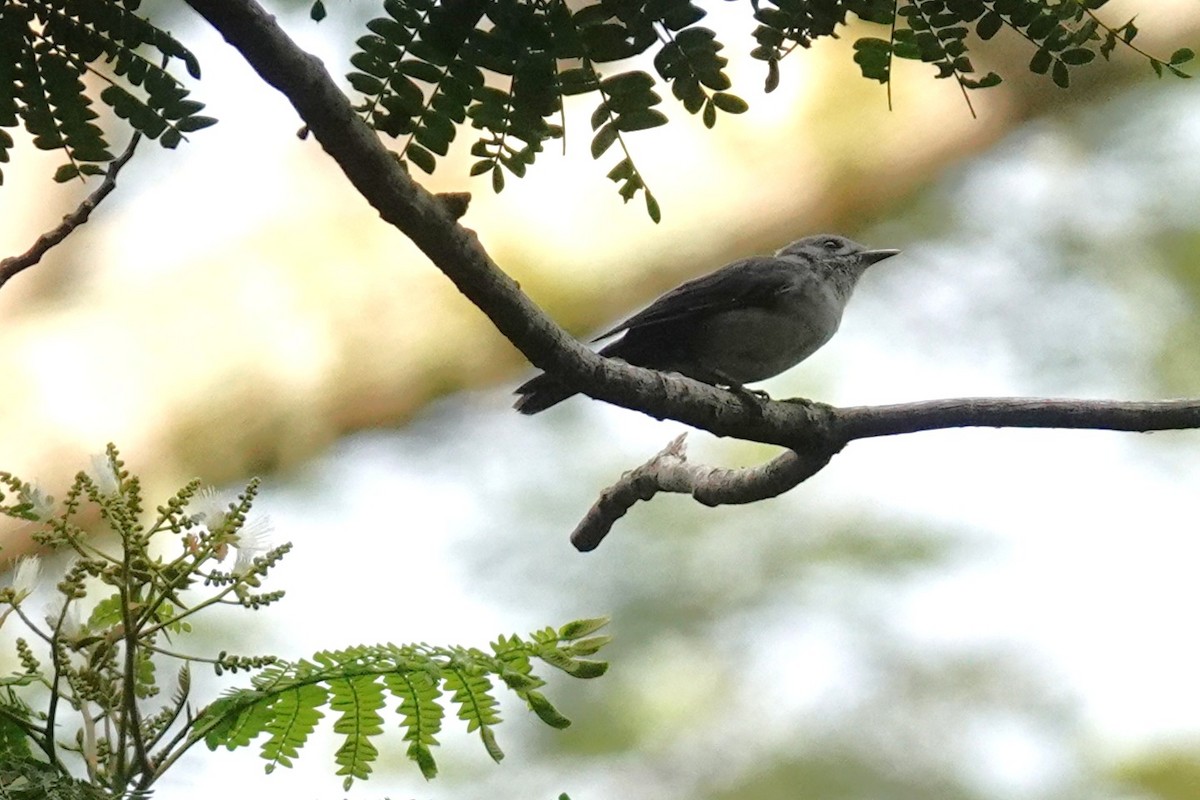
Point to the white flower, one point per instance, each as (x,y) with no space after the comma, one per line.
(252,541)
(103,475)
(72,622)
(29,569)
(42,504)
(209,508)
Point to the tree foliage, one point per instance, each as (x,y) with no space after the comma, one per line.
(48,48)
(507,65)
(286,700)
(426,69)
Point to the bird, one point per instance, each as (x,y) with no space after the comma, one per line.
(745,322)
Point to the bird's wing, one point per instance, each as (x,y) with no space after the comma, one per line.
(745,283)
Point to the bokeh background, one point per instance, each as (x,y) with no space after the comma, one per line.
(975,614)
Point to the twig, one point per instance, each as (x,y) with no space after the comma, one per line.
(9,267)
(669,471)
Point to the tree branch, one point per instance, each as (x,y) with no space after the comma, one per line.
(9,267)
(861,422)
(669,470)
(813,431)
(456,251)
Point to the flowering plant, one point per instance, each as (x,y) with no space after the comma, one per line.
(86,698)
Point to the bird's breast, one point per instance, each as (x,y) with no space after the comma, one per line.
(754,344)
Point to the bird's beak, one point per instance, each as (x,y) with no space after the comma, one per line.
(873,256)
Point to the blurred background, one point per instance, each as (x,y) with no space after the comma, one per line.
(975,614)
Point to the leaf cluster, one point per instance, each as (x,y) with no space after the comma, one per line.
(47,50)
(429,66)
(358,684)
(1064,34)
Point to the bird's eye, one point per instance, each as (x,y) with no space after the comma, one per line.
(832,244)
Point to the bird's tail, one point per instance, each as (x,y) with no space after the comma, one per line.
(540,393)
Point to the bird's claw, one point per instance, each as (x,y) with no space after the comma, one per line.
(757,395)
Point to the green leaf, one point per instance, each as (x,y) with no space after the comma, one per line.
(421,71)
(655,214)
(195,123)
(1040,62)
(490,744)
(1077,56)
(640,120)
(317,12)
(421,157)
(431,138)
(681,15)
(730,103)
(423,756)
(369,63)
(365,84)
(497,179)
(583,627)
(621,172)
(1041,27)
(67,172)
(545,711)
(577,81)
(601,115)
(772,81)
(390,31)
(989,25)
(603,140)
(1061,77)
(627,83)
(358,699)
(588,646)
(296,714)
(688,90)
(1182,56)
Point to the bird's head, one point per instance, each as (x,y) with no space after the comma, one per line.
(838,249)
(835,259)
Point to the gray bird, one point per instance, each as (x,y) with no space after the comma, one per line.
(746,322)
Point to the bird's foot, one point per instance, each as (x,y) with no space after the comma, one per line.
(757,396)
(754,396)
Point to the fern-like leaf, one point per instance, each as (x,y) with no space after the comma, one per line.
(418,692)
(359,700)
(237,718)
(472,693)
(287,699)
(295,716)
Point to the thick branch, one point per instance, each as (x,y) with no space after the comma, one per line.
(860,422)
(669,470)
(9,267)
(379,178)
